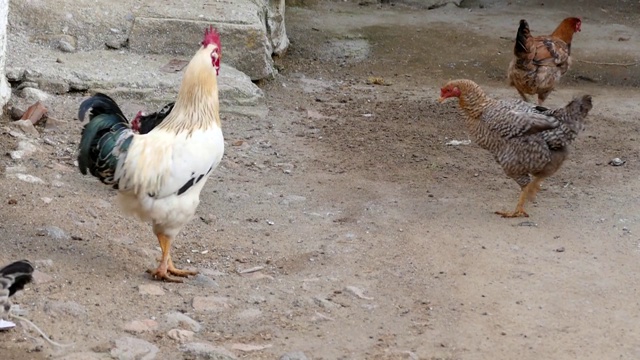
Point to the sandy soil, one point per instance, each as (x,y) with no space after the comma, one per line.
(349,187)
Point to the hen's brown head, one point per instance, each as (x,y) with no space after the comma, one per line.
(212,41)
(575,22)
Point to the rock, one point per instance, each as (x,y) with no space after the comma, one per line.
(249,347)
(87,355)
(24,149)
(323,302)
(113,44)
(210,303)
(295,355)
(15,169)
(276,31)
(205,351)
(429,4)
(33,95)
(357,292)
(53,232)
(150,289)
(68,308)
(26,84)
(130,348)
(41,278)
(29,178)
(16,113)
(14,74)
(616,162)
(66,46)
(5,88)
(53,86)
(177,319)
(57,183)
(205,281)
(53,124)
(290,199)
(140,326)
(180,335)
(237,89)
(27,127)
(244,24)
(249,314)
(46,200)
(78,86)
(45,263)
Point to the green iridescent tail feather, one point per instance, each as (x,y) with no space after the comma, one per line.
(107,130)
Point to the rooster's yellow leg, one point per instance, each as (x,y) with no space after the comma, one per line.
(519,211)
(165,262)
(177,272)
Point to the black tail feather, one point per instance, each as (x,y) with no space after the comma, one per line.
(98,104)
(15,276)
(524,33)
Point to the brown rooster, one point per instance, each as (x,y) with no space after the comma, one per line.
(540,61)
(526,140)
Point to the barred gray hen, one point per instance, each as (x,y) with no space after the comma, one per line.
(526,140)
(13,277)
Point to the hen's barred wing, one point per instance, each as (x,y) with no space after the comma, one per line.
(518,119)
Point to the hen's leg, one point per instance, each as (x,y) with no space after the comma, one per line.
(524,97)
(534,187)
(543,96)
(519,211)
(165,262)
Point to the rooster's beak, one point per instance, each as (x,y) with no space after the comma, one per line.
(441,99)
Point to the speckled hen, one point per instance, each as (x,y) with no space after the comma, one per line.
(529,142)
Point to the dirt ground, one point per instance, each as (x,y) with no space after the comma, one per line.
(374,239)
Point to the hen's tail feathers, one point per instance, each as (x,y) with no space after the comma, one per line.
(572,121)
(97,105)
(104,138)
(14,277)
(520,49)
(149,122)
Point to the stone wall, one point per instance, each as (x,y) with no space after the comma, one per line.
(5,90)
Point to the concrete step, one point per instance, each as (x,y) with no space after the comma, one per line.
(251,30)
(122,72)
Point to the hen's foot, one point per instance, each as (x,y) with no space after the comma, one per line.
(162,274)
(514,214)
(178,272)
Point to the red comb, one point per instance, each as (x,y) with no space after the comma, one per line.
(211,36)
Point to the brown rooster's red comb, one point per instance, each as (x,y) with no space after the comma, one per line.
(211,36)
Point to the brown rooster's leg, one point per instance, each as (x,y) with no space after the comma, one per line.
(177,272)
(165,263)
(519,211)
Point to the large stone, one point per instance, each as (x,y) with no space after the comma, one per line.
(5,89)
(244,27)
(131,75)
(252,30)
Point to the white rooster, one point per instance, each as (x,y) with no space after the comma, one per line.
(159,175)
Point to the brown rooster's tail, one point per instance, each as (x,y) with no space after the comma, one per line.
(520,49)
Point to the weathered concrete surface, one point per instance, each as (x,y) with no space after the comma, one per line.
(175,27)
(122,73)
(5,90)
(252,30)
